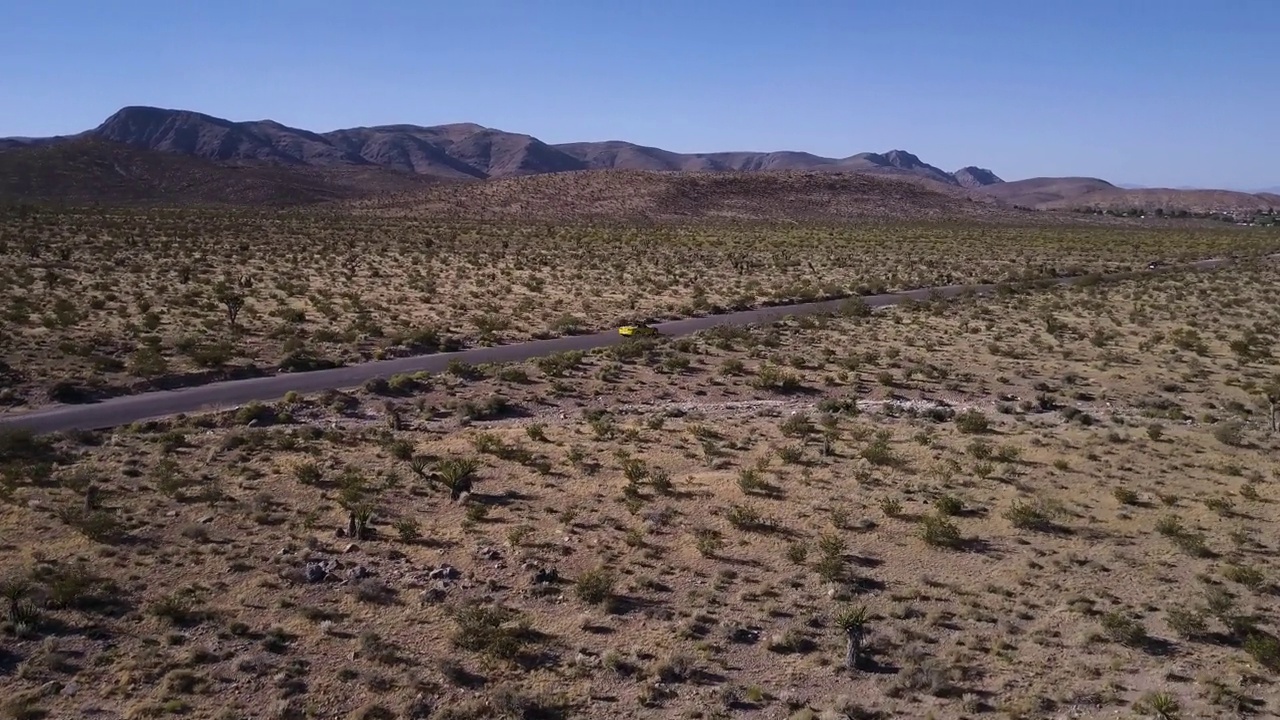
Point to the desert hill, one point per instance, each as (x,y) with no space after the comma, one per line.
(1072,193)
(92,171)
(657,195)
(976,177)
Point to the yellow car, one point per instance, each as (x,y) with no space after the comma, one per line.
(640,330)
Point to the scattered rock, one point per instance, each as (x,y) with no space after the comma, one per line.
(489,553)
(358,572)
(445,572)
(438,591)
(586,659)
(288,710)
(545,576)
(53,687)
(745,636)
(351,547)
(319,571)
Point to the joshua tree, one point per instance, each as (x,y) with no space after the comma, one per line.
(358,521)
(1270,398)
(232,297)
(854,623)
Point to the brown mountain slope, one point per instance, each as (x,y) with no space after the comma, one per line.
(501,154)
(455,151)
(89,170)
(619,155)
(1095,194)
(896,162)
(636,195)
(404,147)
(975,177)
(460,150)
(1192,201)
(204,136)
(1038,192)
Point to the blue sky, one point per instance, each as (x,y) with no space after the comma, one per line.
(1159,92)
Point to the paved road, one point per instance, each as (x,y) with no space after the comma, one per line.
(132,408)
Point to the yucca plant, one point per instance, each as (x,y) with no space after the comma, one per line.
(457,475)
(853,621)
(359,521)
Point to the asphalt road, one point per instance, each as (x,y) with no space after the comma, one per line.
(123,410)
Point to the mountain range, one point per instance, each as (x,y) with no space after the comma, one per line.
(399,157)
(457,151)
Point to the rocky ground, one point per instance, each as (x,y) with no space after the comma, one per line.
(1044,505)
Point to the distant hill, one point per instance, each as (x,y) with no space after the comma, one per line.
(358,162)
(659,195)
(976,177)
(1042,191)
(94,171)
(1095,194)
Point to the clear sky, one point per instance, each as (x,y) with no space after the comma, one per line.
(1155,92)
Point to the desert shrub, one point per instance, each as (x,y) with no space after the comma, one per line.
(494,630)
(772,377)
(1125,496)
(745,517)
(709,541)
(1162,706)
(938,531)
(1123,629)
(948,505)
(879,452)
(1265,649)
(255,413)
(408,530)
(1229,433)
(1250,577)
(1186,623)
(891,507)
(972,422)
(1033,515)
(595,586)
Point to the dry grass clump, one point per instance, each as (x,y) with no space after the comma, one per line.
(956,509)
